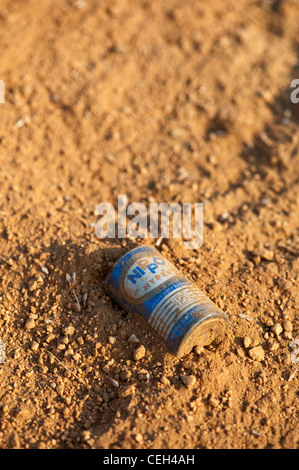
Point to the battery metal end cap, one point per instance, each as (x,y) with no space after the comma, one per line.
(203,334)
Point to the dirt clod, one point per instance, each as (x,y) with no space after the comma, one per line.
(139,352)
(30,324)
(126,391)
(247,342)
(257,353)
(188,380)
(277,329)
(287,326)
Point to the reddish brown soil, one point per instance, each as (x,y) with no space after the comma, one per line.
(162,101)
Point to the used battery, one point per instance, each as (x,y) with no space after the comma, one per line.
(146,283)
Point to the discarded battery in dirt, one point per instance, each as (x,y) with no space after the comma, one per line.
(144,282)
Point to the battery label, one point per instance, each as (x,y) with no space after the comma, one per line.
(146,274)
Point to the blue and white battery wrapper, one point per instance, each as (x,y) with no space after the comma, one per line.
(147,284)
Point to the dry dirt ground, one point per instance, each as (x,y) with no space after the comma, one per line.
(161,101)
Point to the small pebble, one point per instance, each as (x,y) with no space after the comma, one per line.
(272,346)
(214,402)
(60,389)
(126,391)
(30,323)
(139,352)
(68,330)
(133,339)
(240,352)
(85,436)
(257,353)
(198,350)
(139,437)
(34,346)
(287,325)
(50,337)
(77,307)
(247,342)
(5,409)
(188,380)
(277,329)
(125,374)
(32,285)
(165,381)
(267,255)
(16,354)
(223,217)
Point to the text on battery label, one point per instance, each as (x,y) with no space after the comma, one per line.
(146,274)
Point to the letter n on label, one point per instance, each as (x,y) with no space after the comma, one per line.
(137,274)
